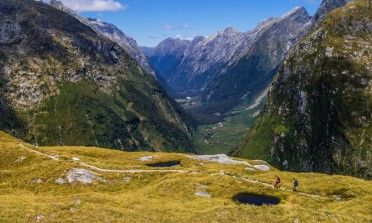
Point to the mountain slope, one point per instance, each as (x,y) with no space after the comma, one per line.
(128,44)
(253,72)
(318,114)
(112,32)
(207,62)
(61,83)
(86,184)
(167,55)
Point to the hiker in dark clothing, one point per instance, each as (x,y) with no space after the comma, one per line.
(295,184)
(277,182)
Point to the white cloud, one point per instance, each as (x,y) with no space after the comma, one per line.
(171,26)
(185,26)
(93,5)
(168,26)
(309,2)
(186,37)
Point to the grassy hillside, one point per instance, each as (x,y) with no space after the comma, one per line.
(62,84)
(29,191)
(318,114)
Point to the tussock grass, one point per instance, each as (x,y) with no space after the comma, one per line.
(160,196)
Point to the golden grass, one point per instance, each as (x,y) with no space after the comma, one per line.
(163,197)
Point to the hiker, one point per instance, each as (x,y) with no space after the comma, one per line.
(295,184)
(277,181)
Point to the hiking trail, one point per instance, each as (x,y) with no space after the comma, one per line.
(170,171)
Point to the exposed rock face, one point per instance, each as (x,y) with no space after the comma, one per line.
(207,61)
(113,33)
(318,115)
(129,44)
(252,72)
(326,7)
(82,176)
(219,158)
(62,84)
(167,55)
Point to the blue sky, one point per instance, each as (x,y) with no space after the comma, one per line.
(151,21)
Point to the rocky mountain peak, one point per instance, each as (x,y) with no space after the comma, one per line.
(59,5)
(230,30)
(206,58)
(326,7)
(112,32)
(172,46)
(295,10)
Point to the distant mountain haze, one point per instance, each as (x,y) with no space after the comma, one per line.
(194,68)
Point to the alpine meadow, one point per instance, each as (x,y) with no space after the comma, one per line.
(185,111)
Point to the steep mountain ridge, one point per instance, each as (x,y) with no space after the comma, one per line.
(203,59)
(167,55)
(113,33)
(208,58)
(128,43)
(253,70)
(318,114)
(62,84)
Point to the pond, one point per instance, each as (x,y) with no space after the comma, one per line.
(165,164)
(255,199)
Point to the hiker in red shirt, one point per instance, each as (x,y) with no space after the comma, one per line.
(277,182)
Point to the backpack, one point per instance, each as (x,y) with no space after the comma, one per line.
(296,183)
(278,179)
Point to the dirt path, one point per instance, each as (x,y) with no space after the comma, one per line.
(272,186)
(38,152)
(168,171)
(100,169)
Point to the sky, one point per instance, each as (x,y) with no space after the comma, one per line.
(151,21)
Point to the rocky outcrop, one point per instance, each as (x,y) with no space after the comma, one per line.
(326,7)
(318,114)
(129,44)
(113,33)
(63,84)
(167,56)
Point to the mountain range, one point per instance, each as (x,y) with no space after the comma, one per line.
(227,65)
(64,83)
(68,80)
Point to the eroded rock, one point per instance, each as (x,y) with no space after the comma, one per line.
(219,158)
(83,176)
